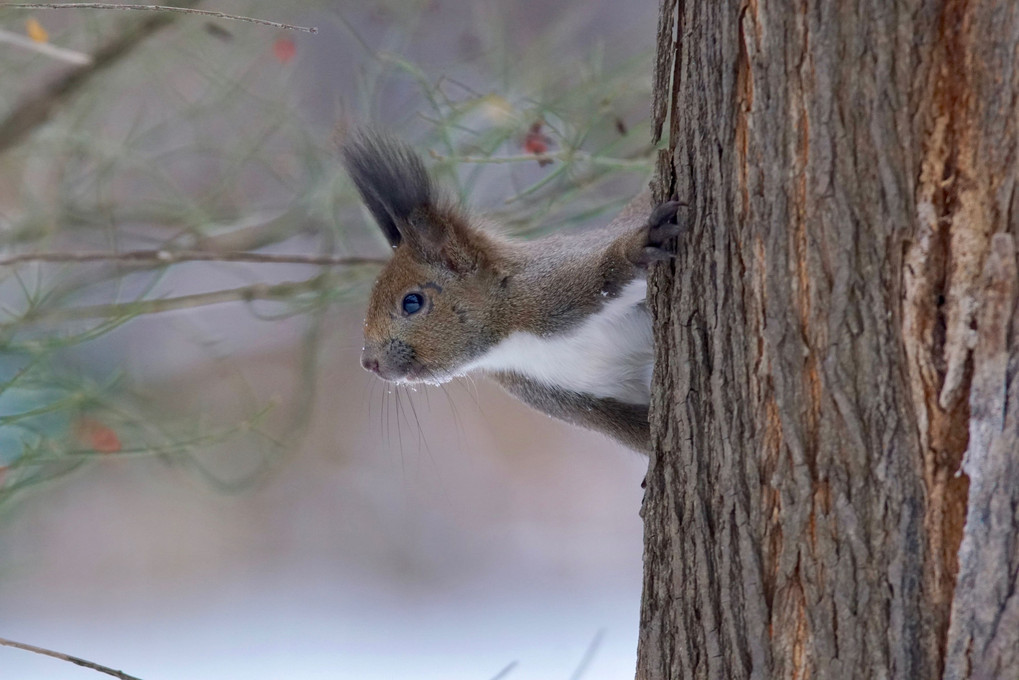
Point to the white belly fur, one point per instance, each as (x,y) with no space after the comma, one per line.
(609,355)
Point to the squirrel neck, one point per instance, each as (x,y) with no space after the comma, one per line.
(553,284)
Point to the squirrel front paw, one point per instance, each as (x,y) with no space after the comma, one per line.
(666,222)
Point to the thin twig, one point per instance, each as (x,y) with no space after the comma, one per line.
(589,653)
(67,657)
(259,291)
(564,156)
(174,256)
(157,8)
(505,671)
(61,53)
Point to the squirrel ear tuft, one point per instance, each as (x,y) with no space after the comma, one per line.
(391,179)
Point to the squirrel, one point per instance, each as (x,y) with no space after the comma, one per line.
(560,322)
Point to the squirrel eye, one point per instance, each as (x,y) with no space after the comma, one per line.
(412,303)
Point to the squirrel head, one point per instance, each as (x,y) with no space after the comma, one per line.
(434,307)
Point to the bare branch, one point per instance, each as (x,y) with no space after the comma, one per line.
(175,256)
(37,109)
(259,291)
(563,156)
(61,53)
(67,657)
(158,8)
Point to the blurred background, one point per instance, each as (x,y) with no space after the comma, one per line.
(197,480)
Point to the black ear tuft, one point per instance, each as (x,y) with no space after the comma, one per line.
(391,179)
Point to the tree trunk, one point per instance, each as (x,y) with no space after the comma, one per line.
(834,491)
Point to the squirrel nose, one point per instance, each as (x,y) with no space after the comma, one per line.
(370,364)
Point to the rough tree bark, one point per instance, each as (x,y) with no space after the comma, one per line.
(834,491)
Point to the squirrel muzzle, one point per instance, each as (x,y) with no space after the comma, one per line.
(391,360)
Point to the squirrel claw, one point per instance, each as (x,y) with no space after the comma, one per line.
(667,221)
(654,254)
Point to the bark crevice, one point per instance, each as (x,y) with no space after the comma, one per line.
(848,166)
